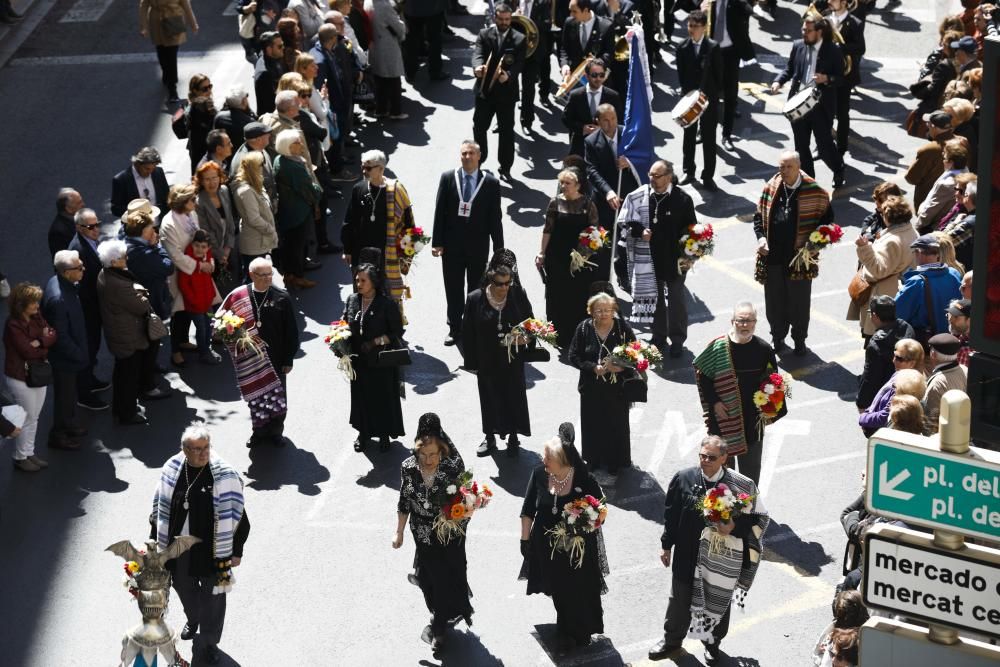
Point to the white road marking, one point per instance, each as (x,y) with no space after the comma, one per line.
(86,11)
(230,9)
(123,58)
(774,439)
(803,465)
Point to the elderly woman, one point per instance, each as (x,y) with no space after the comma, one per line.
(440,566)
(874,223)
(962,112)
(124,307)
(27,338)
(176,231)
(235,115)
(376,325)
(906,413)
(385,58)
(298,198)
(166,22)
(882,262)
(575,591)
(215,215)
(258,235)
(492,311)
(568,214)
(908,379)
(955,156)
(603,405)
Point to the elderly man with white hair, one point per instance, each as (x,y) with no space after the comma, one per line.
(68,356)
(235,115)
(300,201)
(268,316)
(201,495)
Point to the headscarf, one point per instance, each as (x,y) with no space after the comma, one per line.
(567,436)
(429,424)
(502,257)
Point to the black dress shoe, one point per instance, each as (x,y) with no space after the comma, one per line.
(156,394)
(486,446)
(779,345)
(711,656)
(663,650)
(526,130)
(212,655)
(513,447)
(709,184)
(727,143)
(189,631)
(839,179)
(505,175)
(688,178)
(384,444)
(359,444)
(312,264)
(800,348)
(133,420)
(451,339)
(97,386)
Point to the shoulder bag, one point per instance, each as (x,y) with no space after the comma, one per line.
(172,26)
(37,373)
(860,290)
(924,333)
(155,328)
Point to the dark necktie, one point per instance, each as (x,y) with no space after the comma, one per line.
(467,188)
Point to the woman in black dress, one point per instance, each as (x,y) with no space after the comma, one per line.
(376,325)
(603,406)
(575,592)
(440,568)
(490,312)
(568,214)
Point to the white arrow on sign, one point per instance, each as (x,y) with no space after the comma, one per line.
(887,487)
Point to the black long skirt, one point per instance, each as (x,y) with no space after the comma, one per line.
(441,571)
(503,400)
(375,404)
(604,428)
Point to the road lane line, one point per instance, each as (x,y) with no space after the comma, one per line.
(775,439)
(86,11)
(821,462)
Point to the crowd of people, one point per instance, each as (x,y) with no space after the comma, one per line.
(257,207)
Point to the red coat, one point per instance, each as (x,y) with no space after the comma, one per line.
(197,288)
(17,338)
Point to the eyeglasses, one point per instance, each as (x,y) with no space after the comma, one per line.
(263,275)
(77,268)
(503,284)
(197,450)
(900,359)
(707,457)
(744,322)
(428,456)
(659,175)
(369,167)
(89,227)
(597,75)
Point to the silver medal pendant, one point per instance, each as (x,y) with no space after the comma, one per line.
(186,504)
(555,511)
(427,505)
(373,216)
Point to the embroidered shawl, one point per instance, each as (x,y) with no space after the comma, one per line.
(813,202)
(227,501)
(397,202)
(716,363)
(639,260)
(259,384)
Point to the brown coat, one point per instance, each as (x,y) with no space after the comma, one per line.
(881,264)
(124,307)
(926,167)
(151,14)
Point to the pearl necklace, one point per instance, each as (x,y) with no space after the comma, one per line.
(558,487)
(498,306)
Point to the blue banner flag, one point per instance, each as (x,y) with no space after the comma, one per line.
(637,137)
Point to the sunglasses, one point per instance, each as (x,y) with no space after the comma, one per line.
(205,89)
(369,167)
(89,227)
(896,357)
(505,283)
(597,75)
(707,457)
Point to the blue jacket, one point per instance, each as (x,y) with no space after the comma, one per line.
(151,266)
(911,306)
(62,310)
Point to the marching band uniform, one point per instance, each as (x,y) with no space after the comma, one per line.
(494,97)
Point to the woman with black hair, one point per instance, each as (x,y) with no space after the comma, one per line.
(490,313)
(440,567)
(376,325)
(575,591)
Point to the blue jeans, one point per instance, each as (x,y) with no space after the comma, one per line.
(202,332)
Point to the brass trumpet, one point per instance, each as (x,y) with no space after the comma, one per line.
(570,81)
(812,12)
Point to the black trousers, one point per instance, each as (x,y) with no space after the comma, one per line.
(92,324)
(675,627)
(461,276)
(749,462)
(786,303)
(201,608)
(482,119)
(388,95)
(132,374)
(292,247)
(167,57)
(420,29)
(64,397)
(817,123)
(708,124)
(668,18)
(180,328)
(843,118)
(537,71)
(670,319)
(730,88)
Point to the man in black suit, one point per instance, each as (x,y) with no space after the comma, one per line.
(268,70)
(62,229)
(466,218)
(730,21)
(699,67)
(580,114)
(497,61)
(609,173)
(143,180)
(620,14)
(852,30)
(537,67)
(88,231)
(815,60)
(583,34)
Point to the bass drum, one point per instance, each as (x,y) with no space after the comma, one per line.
(527,27)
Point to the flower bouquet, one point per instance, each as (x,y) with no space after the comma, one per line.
(460,500)
(228,327)
(638,355)
(697,243)
(808,256)
(527,331)
(338,338)
(408,246)
(590,241)
(721,505)
(131,571)
(579,517)
(770,397)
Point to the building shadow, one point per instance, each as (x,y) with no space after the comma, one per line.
(637,491)
(826,375)
(271,468)
(427,373)
(783,545)
(226,660)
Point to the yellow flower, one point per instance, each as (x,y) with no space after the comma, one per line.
(409,252)
(133,567)
(760,398)
(816,237)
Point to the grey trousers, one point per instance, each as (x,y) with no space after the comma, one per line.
(786,303)
(675,627)
(670,319)
(201,608)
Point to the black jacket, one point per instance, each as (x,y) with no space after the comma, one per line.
(480,335)
(878,360)
(469,237)
(853,32)
(576,114)
(508,54)
(602,167)
(123,190)
(277,326)
(381,319)
(151,266)
(61,232)
(266,73)
(601,42)
(92,267)
(61,309)
(702,72)
(829,61)
(738,14)
(676,213)
(233,121)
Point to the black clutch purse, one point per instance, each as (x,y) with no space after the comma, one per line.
(634,388)
(393,358)
(535,355)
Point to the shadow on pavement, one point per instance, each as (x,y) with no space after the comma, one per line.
(601,651)
(637,491)
(385,465)
(513,473)
(464,648)
(783,545)
(274,467)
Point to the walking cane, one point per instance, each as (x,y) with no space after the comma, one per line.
(614,232)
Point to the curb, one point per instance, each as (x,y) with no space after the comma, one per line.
(13,36)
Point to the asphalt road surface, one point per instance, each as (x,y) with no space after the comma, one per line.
(319,583)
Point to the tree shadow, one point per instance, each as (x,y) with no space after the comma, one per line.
(783,545)
(464,648)
(386,466)
(601,650)
(274,467)
(637,491)
(513,473)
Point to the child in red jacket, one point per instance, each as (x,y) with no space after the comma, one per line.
(199,292)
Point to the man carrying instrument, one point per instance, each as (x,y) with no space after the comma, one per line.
(583,34)
(852,44)
(699,67)
(580,113)
(620,13)
(815,61)
(497,61)
(537,70)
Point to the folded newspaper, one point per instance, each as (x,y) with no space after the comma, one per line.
(15,414)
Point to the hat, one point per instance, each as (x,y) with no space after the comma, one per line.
(147,155)
(961,308)
(926,242)
(967,44)
(141,206)
(945,343)
(939,119)
(258,129)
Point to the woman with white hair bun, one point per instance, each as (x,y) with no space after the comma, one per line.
(299,197)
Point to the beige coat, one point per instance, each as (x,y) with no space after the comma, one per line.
(882,262)
(258,235)
(152,12)
(955,377)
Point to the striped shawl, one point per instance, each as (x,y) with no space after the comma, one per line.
(639,260)
(813,202)
(716,363)
(397,215)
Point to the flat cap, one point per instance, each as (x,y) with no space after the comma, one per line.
(257,129)
(945,343)
(926,242)
(939,119)
(967,44)
(961,308)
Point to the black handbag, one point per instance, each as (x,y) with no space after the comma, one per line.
(393,358)
(634,388)
(37,373)
(535,355)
